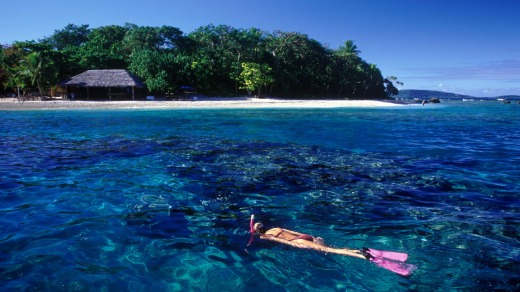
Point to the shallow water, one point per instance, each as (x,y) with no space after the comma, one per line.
(160,199)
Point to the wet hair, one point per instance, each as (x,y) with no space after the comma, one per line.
(319,240)
(260,228)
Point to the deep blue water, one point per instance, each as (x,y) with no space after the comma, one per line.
(160,200)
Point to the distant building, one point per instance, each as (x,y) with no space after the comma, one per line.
(103,84)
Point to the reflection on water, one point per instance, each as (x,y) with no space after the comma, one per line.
(161,199)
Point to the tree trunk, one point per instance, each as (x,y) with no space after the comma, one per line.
(365,93)
(40,88)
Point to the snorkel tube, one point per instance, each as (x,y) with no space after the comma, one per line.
(251,229)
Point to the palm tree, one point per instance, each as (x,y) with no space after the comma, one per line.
(349,51)
(352,72)
(38,68)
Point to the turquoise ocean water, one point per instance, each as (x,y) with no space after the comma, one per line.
(146,200)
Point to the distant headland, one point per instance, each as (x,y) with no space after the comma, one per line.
(429,94)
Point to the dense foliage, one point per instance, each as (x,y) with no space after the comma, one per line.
(215,59)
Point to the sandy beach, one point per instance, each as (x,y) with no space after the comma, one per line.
(203,103)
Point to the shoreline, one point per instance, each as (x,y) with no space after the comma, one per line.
(200,103)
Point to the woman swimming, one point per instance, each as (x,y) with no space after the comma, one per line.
(393,261)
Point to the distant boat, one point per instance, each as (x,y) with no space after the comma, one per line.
(468,99)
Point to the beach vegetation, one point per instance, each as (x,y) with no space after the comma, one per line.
(158,70)
(299,63)
(216,59)
(16,79)
(71,36)
(104,49)
(3,69)
(12,77)
(390,88)
(255,77)
(30,64)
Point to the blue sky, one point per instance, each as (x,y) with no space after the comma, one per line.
(467,47)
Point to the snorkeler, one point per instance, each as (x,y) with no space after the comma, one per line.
(393,261)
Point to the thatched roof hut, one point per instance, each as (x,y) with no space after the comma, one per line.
(111,78)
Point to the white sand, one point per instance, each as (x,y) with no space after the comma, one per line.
(203,103)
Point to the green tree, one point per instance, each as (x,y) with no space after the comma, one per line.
(372,82)
(3,69)
(165,38)
(159,70)
(214,57)
(104,49)
(349,51)
(68,44)
(71,36)
(39,69)
(17,79)
(249,47)
(217,52)
(390,88)
(154,55)
(299,63)
(349,70)
(33,63)
(255,76)
(13,79)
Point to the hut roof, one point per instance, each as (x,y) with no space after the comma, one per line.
(104,78)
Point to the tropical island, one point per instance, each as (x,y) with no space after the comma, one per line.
(212,60)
